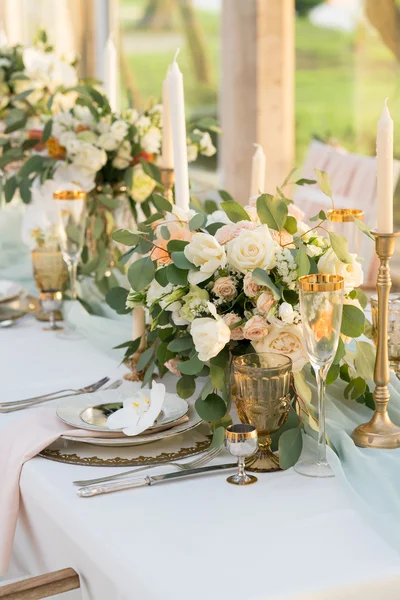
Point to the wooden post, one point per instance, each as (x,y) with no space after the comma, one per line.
(42,586)
(257,91)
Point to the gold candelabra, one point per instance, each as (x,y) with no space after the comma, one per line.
(380,431)
(168,179)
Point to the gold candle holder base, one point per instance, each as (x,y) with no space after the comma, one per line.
(168,180)
(380,432)
(131,363)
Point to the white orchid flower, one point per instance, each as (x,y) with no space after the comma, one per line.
(139,411)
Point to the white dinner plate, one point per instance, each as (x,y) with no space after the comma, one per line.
(85,412)
(144,438)
(9,290)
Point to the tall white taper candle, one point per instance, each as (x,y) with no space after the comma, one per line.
(257,171)
(167,146)
(384,171)
(179,136)
(111,74)
(139,322)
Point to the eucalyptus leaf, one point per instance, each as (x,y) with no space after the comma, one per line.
(161,203)
(213,228)
(185,386)
(10,187)
(234,211)
(290,447)
(145,358)
(116,298)
(184,342)
(25,190)
(324,182)
(272,211)
(302,387)
(165,234)
(176,245)
(320,216)
(47,130)
(340,248)
(355,388)
(364,360)
(218,437)
(210,206)
(217,376)
(176,276)
(225,196)
(304,181)
(302,261)
(291,422)
(291,225)
(141,273)
(211,408)
(98,227)
(127,256)
(161,277)
(353,320)
(260,277)
(151,170)
(179,259)
(193,366)
(124,236)
(197,222)
(340,352)
(364,228)
(332,374)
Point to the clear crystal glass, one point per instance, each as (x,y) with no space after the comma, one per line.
(321,306)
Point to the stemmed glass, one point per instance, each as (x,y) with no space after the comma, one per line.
(71,206)
(321,306)
(50,275)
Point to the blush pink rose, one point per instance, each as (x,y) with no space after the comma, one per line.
(265,302)
(256,328)
(231,319)
(283,238)
(224,287)
(250,287)
(226,233)
(296,212)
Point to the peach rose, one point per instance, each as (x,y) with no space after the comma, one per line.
(236,332)
(225,288)
(250,287)
(283,238)
(256,328)
(265,302)
(171,365)
(177,232)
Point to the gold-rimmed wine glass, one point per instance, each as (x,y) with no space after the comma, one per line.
(50,276)
(71,205)
(321,307)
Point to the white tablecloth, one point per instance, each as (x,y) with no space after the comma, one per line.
(287,537)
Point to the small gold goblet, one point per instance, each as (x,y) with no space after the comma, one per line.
(262,388)
(242,442)
(50,276)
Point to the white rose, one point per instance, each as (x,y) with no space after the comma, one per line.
(205,252)
(120,163)
(286,312)
(156,291)
(218,216)
(252,249)
(206,146)
(72,146)
(151,141)
(89,157)
(66,137)
(104,124)
(84,116)
(286,340)
(107,141)
(87,136)
(192,152)
(143,124)
(210,336)
(131,115)
(119,129)
(352,273)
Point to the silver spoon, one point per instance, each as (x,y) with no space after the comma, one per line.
(7,323)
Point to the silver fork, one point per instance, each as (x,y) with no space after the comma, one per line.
(200,461)
(7,407)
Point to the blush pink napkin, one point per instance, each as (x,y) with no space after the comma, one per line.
(19,442)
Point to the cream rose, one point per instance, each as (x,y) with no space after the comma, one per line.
(205,252)
(352,273)
(108,141)
(224,287)
(250,287)
(252,249)
(286,340)
(286,313)
(256,328)
(237,332)
(210,336)
(265,302)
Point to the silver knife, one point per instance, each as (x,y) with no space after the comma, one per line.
(95,490)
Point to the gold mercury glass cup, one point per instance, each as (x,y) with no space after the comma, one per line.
(50,276)
(262,393)
(241,441)
(321,308)
(393,329)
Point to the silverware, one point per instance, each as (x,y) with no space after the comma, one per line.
(7,323)
(6,407)
(200,461)
(115,384)
(95,490)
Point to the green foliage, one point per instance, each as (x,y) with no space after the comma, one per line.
(352,321)
(116,298)
(185,386)
(339,246)
(124,236)
(197,222)
(211,408)
(185,342)
(176,276)
(234,211)
(291,225)
(320,216)
(272,211)
(333,374)
(193,366)
(145,358)
(302,261)
(364,360)
(161,203)
(141,273)
(260,277)
(355,388)
(179,259)
(324,182)
(364,228)
(340,352)
(290,447)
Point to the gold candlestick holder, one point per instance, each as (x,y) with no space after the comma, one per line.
(132,362)
(380,432)
(168,180)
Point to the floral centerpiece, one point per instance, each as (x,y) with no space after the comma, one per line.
(224,284)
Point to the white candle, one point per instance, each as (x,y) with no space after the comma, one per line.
(167,146)
(111,73)
(257,171)
(177,104)
(139,322)
(384,171)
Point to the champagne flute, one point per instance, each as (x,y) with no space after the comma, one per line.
(71,206)
(321,307)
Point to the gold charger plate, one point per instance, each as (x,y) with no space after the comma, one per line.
(180,446)
(10,314)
